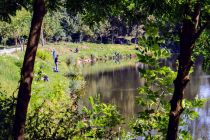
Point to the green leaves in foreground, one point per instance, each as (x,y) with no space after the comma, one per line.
(55,118)
(102,120)
(153,99)
(152,120)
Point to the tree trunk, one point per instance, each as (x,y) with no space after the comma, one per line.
(16,42)
(188,36)
(181,81)
(42,37)
(24,93)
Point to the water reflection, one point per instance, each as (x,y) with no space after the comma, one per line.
(118,85)
(200,86)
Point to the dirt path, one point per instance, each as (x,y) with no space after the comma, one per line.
(9,51)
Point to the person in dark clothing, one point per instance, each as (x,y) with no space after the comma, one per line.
(46,79)
(56,64)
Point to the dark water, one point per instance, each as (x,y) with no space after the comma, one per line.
(118,85)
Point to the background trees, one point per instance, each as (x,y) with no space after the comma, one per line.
(17,28)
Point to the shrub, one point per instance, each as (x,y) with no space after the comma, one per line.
(44,55)
(19,63)
(7,108)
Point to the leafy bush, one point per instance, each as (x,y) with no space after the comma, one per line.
(19,63)
(71,60)
(44,55)
(7,108)
(152,120)
(40,69)
(58,120)
(76,80)
(53,116)
(101,120)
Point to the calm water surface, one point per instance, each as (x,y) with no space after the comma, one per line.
(118,83)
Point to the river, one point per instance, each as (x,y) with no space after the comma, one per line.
(117,83)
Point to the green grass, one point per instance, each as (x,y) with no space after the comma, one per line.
(10,64)
(9,73)
(98,51)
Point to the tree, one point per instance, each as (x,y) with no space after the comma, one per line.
(19,26)
(51,25)
(193,24)
(193,16)
(40,8)
(24,93)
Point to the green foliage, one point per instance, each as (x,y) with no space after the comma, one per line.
(150,51)
(152,120)
(101,120)
(90,8)
(76,83)
(9,8)
(7,108)
(50,121)
(55,118)
(19,63)
(48,114)
(202,50)
(44,55)
(19,25)
(9,73)
(51,25)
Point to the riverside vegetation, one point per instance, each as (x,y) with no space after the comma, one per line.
(151,121)
(181,24)
(54,111)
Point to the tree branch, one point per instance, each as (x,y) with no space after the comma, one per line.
(196,14)
(198,33)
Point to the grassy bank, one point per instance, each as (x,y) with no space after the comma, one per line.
(90,50)
(88,69)
(50,106)
(10,65)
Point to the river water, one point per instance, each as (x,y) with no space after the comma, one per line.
(117,83)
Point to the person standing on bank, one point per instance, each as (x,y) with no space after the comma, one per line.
(56,64)
(54,54)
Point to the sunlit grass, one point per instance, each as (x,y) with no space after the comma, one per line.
(10,65)
(99,51)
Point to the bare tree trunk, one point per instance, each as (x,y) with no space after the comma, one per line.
(24,94)
(188,36)
(16,42)
(42,37)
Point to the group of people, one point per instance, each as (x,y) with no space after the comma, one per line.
(55,59)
